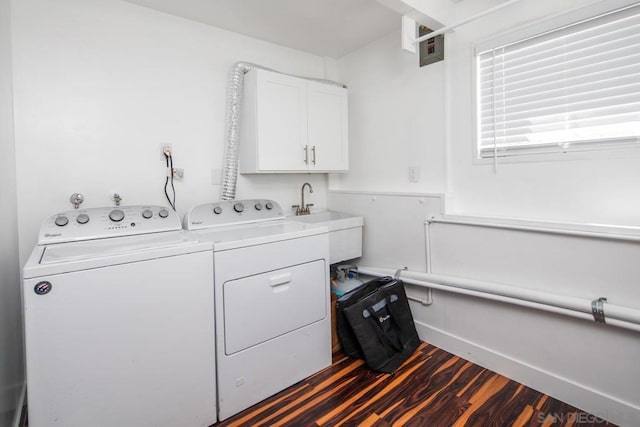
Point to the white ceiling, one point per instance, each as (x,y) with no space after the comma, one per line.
(330,28)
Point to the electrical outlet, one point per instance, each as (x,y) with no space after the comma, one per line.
(163,149)
(178,173)
(414,174)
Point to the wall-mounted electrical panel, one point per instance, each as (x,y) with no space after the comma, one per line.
(431,50)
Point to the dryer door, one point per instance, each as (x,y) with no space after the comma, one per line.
(264,306)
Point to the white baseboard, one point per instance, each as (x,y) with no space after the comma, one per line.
(587,399)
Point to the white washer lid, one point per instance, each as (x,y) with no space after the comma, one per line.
(75,256)
(233,237)
(91,249)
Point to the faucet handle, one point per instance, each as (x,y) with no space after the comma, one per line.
(297,208)
(306,208)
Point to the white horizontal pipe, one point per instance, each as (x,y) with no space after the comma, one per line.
(624,317)
(383,272)
(623,325)
(540,229)
(464,21)
(621,313)
(492,297)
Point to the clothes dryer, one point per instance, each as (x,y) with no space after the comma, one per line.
(271,281)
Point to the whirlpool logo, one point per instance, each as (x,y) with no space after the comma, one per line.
(42,288)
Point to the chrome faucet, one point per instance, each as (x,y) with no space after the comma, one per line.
(303,209)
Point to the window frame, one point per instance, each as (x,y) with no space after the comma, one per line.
(530,30)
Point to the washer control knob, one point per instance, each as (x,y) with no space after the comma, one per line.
(238,207)
(61,221)
(82,219)
(258,206)
(269,205)
(163,213)
(116,215)
(147,213)
(217,210)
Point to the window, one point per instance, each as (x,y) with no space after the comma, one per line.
(575,87)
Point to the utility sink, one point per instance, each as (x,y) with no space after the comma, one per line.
(345,233)
(333,220)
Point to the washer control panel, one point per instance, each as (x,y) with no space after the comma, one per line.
(100,223)
(232,212)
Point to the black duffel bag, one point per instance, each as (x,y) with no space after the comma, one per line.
(348,340)
(375,324)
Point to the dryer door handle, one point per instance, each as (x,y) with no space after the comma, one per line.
(280,279)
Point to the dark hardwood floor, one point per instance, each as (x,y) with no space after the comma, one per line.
(432,389)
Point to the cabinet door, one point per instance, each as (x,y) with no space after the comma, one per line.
(281,122)
(327,134)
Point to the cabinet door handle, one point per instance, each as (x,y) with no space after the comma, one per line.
(313,151)
(306,154)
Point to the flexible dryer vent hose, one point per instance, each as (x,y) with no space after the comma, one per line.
(232,126)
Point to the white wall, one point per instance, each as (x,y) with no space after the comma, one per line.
(596,188)
(99,84)
(11,366)
(395,120)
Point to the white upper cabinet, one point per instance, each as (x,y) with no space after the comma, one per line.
(327,127)
(290,124)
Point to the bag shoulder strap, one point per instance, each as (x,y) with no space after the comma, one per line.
(378,329)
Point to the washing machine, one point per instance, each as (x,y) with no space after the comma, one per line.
(119,321)
(271,284)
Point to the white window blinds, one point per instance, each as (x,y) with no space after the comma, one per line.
(573,88)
